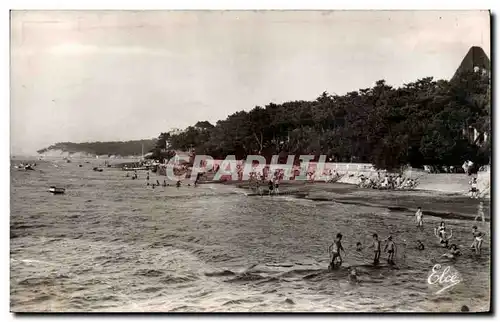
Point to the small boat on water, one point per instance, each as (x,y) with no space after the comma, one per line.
(57,191)
(97,169)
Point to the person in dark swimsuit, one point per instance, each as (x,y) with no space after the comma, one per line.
(270,186)
(376,249)
(390,248)
(420,246)
(478,240)
(440,233)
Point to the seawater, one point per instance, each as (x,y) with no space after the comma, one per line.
(114,244)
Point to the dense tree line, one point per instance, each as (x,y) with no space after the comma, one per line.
(119,148)
(420,123)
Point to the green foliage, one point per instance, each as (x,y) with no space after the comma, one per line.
(419,123)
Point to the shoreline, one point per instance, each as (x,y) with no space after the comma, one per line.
(454,205)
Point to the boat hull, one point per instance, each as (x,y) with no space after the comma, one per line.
(57,191)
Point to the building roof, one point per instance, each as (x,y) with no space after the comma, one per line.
(475,57)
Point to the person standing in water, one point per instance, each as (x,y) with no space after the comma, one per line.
(480,212)
(335,249)
(440,232)
(419,218)
(390,248)
(443,236)
(376,249)
(478,240)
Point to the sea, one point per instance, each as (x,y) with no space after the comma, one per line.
(113,244)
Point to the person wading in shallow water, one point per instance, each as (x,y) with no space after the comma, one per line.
(419,218)
(478,240)
(440,233)
(390,248)
(334,250)
(376,249)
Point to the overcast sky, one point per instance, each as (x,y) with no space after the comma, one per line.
(104,75)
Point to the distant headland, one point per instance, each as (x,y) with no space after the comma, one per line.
(111,148)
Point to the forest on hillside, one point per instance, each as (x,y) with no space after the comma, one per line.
(118,148)
(419,123)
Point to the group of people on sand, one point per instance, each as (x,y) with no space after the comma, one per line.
(441,232)
(26,167)
(387,182)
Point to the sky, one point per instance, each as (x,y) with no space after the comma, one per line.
(83,76)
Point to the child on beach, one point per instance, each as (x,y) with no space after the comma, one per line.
(478,240)
(418,217)
(376,249)
(390,248)
(335,249)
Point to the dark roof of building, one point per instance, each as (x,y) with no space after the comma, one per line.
(476,57)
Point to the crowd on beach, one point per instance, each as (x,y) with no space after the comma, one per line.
(391,182)
(25,166)
(442,233)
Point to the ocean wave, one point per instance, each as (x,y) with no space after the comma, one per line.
(246,277)
(220,273)
(149,272)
